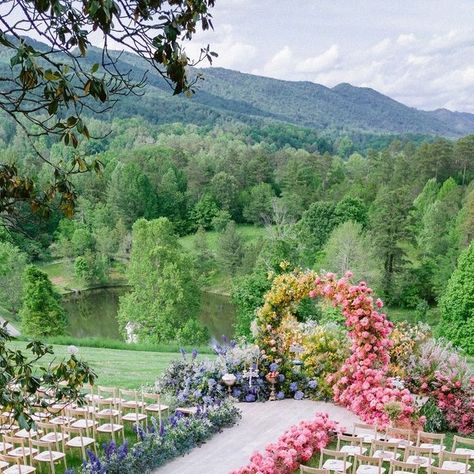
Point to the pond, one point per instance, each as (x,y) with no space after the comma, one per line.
(92,313)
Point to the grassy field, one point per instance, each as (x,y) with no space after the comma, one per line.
(61,273)
(248,233)
(120,368)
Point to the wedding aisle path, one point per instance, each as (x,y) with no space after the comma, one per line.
(261,424)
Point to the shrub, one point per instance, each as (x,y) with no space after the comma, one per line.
(41,314)
(457,304)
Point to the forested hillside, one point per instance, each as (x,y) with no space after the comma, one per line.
(225,96)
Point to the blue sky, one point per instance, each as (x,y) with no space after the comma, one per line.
(419,52)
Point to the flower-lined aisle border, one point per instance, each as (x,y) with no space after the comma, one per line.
(361,384)
(295,446)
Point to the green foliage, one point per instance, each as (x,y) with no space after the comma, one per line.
(41,313)
(205,211)
(91,268)
(258,207)
(247,296)
(220,221)
(65,379)
(457,304)
(230,251)
(350,249)
(12,267)
(164,293)
(192,333)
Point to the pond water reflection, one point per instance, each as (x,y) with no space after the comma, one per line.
(92,313)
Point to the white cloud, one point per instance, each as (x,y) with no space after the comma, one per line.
(406,39)
(321,62)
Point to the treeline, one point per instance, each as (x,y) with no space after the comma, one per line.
(398,216)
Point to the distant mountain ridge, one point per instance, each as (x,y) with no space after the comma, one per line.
(226,95)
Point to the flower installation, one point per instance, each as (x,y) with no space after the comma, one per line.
(361,383)
(295,446)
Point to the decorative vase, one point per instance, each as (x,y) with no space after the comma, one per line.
(272,380)
(229,380)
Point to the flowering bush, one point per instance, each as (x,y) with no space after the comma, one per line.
(295,446)
(325,349)
(406,341)
(362,383)
(199,382)
(440,372)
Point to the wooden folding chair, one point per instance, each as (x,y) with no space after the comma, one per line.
(459,440)
(155,406)
(335,461)
(400,467)
(312,470)
(15,465)
(78,438)
(421,456)
(21,447)
(368,465)
(403,437)
(385,450)
(351,445)
(454,462)
(49,454)
(113,424)
(51,433)
(439,470)
(431,440)
(132,409)
(365,431)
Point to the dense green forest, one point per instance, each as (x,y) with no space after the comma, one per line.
(397,216)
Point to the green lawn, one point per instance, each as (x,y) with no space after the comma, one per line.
(248,233)
(61,273)
(120,368)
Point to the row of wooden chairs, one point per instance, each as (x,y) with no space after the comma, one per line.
(396,467)
(64,426)
(366,449)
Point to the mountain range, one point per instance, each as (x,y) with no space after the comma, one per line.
(225,95)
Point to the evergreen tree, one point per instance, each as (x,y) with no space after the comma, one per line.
(12,267)
(164,297)
(42,314)
(230,250)
(457,304)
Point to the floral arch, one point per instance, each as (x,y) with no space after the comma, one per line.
(361,384)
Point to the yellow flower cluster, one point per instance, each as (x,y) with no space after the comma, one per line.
(406,339)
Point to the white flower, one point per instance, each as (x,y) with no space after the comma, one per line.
(73,350)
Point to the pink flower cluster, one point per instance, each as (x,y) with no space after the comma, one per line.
(362,384)
(294,447)
(456,401)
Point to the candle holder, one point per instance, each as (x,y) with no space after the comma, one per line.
(229,380)
(297,350)
(272,380)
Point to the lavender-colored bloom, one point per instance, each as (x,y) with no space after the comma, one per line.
(183,352)
(273,367)
(312,384)
(299,395)
(236,392)
(211,382)
(250,397)
(232,343)
(197,393)
(122,451)
(281,378)
(194,354)
(70,471)
(293,386)
(280,395)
